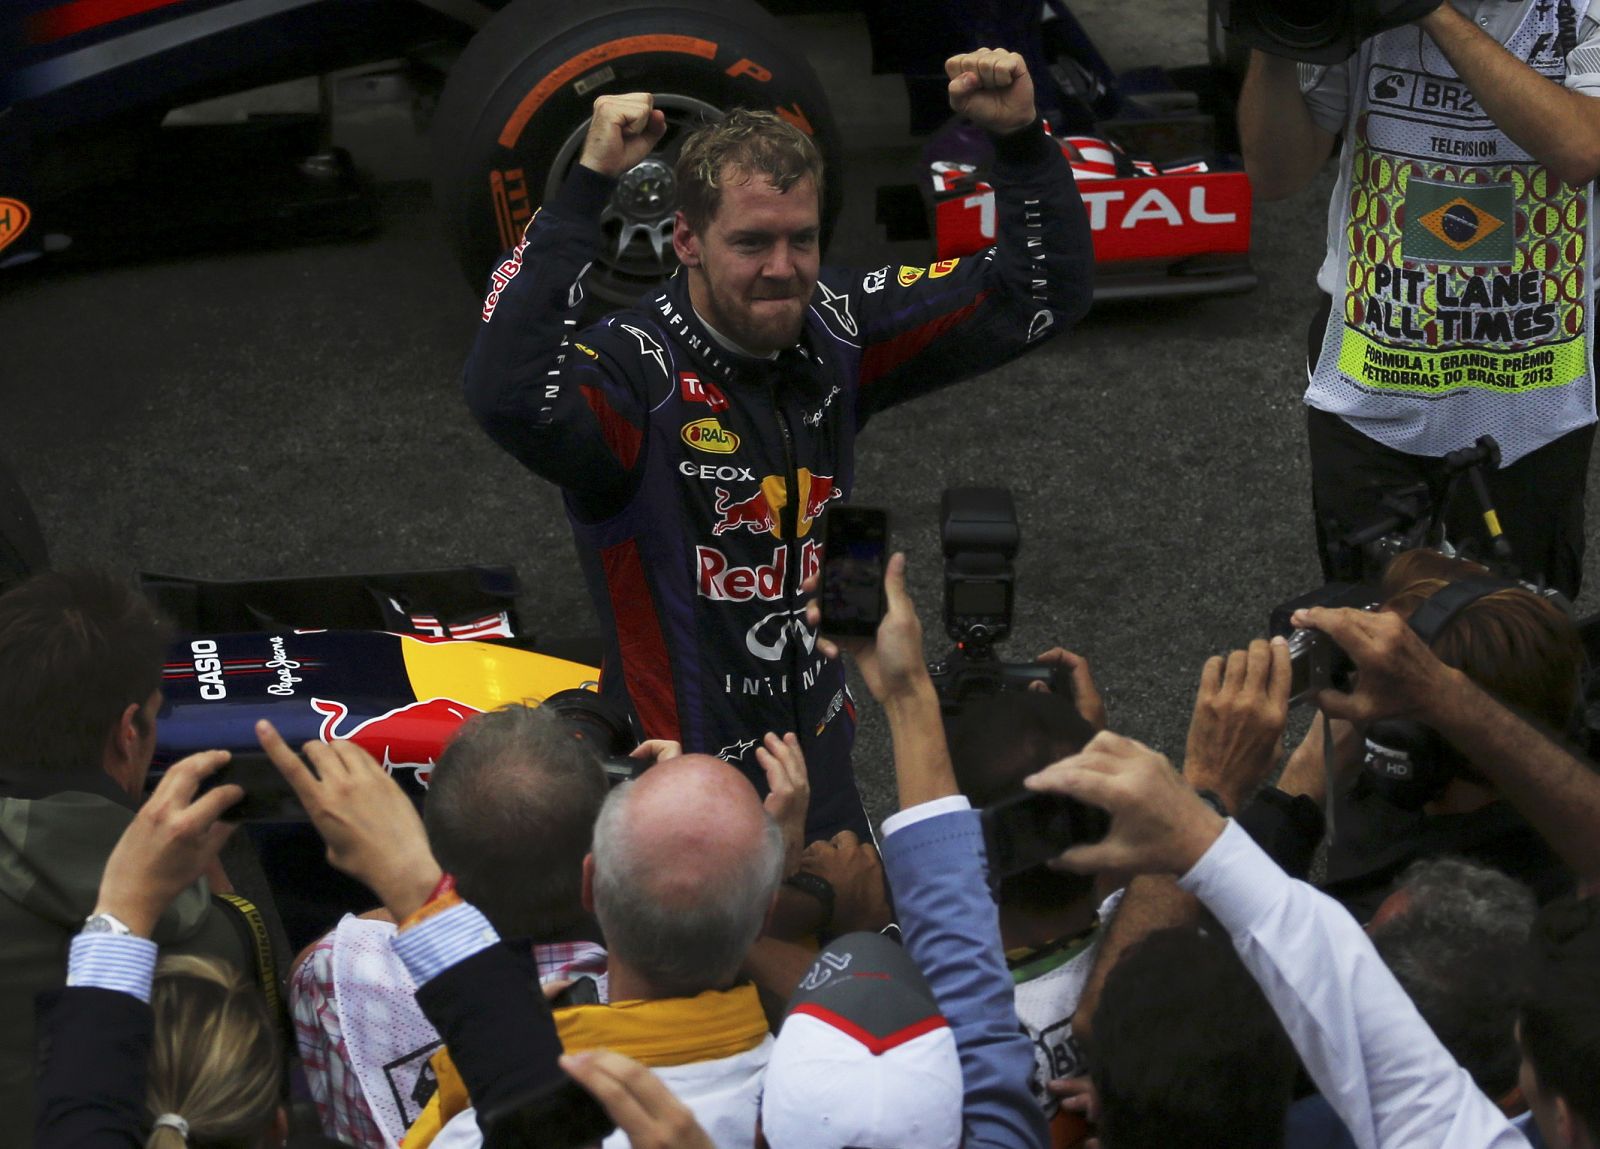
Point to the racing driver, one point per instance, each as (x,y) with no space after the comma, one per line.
(700,436)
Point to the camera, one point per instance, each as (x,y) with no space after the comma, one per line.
(1316,661)
(979,535)
(602,726)
(1316,31)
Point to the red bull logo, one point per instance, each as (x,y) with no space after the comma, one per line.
(721,581)
(408,737)
(761,513)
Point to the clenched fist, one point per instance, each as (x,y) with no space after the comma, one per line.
(623,131)
(992,88)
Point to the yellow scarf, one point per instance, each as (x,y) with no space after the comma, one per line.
(672,1031)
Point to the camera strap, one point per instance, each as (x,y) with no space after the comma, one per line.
(1329,826)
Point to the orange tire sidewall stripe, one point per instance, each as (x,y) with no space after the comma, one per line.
(593,58)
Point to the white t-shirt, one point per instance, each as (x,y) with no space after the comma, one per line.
(1461,270)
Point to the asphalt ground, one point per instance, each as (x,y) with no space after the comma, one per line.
(277,412)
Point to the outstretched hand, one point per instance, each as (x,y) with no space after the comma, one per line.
(1397,675)
(992,88)
(1236,735)
(1158,824)
(624,130)
(171,842)
(371,829)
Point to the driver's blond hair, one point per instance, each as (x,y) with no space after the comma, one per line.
(743,145)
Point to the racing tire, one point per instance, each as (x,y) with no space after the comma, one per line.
(22,547)
(514,110)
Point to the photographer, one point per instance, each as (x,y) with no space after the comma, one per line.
(1398,677)
(1409,789)
(1359,1036)
(135,1053)
(510,812)
(81,656)
(1458,271)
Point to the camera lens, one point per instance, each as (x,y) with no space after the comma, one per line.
(595,721)
(1302,23)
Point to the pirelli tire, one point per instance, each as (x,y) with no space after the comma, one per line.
(512,116)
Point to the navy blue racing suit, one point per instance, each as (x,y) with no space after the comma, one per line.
(696,481)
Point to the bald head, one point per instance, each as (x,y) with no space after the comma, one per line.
(686,862)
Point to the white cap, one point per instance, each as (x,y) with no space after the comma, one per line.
(864,1059)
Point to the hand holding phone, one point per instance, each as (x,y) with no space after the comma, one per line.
(1029,828)
(268,797)
(854,550)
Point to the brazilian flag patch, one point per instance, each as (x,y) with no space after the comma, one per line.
(1459,223)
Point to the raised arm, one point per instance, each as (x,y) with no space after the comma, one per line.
(1555,125)
(1235,739)
(96,1034)
(934,856)
(1373,1057)
(923,328)
(569,405)
(1283,145)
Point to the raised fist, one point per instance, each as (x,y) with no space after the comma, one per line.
(992,88)
(623,131)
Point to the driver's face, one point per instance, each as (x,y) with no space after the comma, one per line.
(752,269)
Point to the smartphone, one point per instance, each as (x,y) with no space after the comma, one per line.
(855,549)
(268,797)
(1027,829)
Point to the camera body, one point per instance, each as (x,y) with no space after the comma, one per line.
(979,535)
(1316,31)
(1316,661)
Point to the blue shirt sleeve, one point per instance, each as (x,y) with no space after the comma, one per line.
(118,962)
(449,938)
(938,871)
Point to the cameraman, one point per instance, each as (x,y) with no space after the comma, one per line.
(1459,224)
(1558,792)
(1513,646)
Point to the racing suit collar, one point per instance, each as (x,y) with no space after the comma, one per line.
(727,344)
(711,354)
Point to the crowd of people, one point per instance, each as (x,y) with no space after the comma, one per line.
(1386,937)
(564,963)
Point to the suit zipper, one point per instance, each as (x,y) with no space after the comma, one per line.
(789,520)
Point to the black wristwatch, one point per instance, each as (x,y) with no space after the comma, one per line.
(818,887)
(1214,800)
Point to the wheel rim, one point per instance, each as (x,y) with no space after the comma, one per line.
(636,227)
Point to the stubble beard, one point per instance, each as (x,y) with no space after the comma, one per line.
(748,330)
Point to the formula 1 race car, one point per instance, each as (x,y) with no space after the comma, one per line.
(392,662)
(504,88)
(1178,229)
